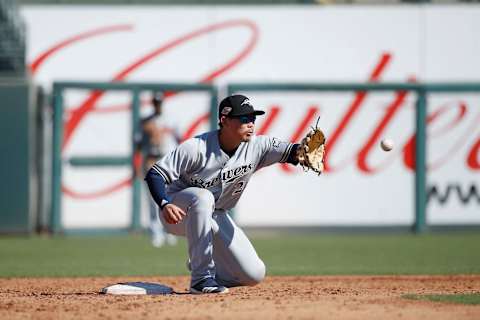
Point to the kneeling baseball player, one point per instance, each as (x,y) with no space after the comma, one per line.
(203,178)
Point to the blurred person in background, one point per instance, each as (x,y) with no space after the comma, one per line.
(152,144)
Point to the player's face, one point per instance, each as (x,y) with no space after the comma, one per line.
(242,127)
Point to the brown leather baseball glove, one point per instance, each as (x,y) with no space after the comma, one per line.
(311,152)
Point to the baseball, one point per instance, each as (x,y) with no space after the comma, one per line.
(386,144)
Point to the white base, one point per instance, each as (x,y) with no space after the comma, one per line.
(137,288)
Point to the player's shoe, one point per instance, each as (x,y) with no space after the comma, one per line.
(171,239)
(208,285)
(158,240)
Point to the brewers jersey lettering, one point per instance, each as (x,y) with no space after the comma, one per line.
(200,162)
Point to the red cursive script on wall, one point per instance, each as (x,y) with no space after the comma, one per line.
(360,157)
(88,105)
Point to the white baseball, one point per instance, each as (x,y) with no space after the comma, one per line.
(386,144)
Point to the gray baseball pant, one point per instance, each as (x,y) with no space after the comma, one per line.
(217,247)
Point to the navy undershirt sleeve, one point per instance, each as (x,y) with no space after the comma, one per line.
(292,157)
(156,185)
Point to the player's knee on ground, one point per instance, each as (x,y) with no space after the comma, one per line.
(255,274)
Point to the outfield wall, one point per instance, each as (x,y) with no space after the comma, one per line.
(364,186)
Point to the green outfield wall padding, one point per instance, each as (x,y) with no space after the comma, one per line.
(17,128)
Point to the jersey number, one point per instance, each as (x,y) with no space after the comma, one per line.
(238,188)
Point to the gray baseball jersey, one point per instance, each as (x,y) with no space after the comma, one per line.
(200,162)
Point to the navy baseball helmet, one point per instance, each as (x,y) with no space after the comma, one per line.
(237,105)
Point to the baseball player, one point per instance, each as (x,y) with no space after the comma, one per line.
(152,144)
(197,184)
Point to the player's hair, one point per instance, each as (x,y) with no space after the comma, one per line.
(157,97)
(156,102)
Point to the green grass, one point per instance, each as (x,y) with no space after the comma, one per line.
(285,254)
(473,298)
(372,254)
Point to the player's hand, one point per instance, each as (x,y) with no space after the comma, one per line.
(173,214)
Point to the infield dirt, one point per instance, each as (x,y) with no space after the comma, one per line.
(306,297)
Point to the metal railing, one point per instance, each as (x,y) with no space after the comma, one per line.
(421,90)
(99,161)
